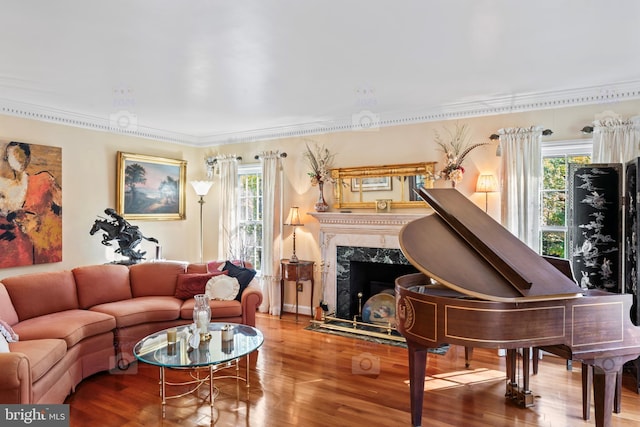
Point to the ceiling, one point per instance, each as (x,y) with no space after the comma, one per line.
(211,72)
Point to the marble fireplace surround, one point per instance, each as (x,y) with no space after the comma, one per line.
(362,230)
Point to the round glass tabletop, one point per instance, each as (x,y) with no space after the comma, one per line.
(239,340)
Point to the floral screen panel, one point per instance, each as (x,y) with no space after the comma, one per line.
(631,221)
(30,204)
(594,218)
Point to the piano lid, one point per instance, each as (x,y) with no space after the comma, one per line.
(465,249)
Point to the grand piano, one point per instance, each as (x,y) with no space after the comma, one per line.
(480,286)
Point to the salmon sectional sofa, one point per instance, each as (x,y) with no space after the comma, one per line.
(75,323)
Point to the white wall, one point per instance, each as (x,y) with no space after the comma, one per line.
(89,174)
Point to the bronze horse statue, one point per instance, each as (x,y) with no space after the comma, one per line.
(128,236)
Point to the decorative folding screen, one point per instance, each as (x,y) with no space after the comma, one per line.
(594,220)
(631,221)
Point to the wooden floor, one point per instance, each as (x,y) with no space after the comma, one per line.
(305,378)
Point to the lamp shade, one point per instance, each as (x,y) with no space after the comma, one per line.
(201,187)
(294,217)
(486,184)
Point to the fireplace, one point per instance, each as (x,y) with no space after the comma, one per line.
(365,237)
(364,272)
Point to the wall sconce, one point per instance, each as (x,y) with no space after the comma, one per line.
(293,219)
(486,184)
(201,188)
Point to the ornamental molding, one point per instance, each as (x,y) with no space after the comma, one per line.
(604,94)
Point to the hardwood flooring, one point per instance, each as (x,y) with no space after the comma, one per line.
(306,378)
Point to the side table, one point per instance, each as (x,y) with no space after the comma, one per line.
(297,272)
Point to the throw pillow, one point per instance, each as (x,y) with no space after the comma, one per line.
(7,332)
(190,284)
(4,346)
(244,276)
(223,288)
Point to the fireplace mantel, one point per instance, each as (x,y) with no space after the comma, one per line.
(363,229)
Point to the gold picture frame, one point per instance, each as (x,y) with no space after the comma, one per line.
(150,188)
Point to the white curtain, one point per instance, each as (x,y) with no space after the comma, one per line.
(615,140)
(271,231)
(520,186)
(228,241)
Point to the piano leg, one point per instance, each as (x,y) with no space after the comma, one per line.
(525,397)
(605,378)
(587,383)
(417,370)
(468,355)
(512,385)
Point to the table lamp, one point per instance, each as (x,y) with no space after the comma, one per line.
(486,184)
(293,219)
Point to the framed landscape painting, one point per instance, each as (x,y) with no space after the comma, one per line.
(150,187)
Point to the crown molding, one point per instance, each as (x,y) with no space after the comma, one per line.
(364,121)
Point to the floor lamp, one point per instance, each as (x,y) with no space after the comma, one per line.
(294,220)
(486,184)
(201,188)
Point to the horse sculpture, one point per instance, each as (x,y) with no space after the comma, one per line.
(128,236)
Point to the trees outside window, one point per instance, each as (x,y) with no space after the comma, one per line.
(556,157)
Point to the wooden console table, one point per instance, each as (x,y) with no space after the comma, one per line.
(297,272)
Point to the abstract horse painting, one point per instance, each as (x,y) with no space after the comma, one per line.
(30,204)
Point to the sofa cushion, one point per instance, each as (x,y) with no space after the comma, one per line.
(42,354)
(98,284)
(244,275)
(219,309)
(39,294)
(7,312)
(71,325)
(141,310)
(155,278)
(189,285)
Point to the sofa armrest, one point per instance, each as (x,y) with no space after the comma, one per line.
(250,301)
(15,378)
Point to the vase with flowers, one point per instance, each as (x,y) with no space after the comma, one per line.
(456,147)
(320,161)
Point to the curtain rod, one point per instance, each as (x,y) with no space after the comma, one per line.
(282,155)
(495,136)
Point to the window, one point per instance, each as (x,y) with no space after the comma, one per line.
(555,159)
(250,214)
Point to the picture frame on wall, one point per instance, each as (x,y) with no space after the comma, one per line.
(378,183)
(150,188)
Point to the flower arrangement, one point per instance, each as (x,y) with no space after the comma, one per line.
(455,150)
(320,160)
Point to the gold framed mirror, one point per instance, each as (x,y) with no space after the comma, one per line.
(367,187)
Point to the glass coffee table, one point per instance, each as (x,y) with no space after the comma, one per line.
(228,343)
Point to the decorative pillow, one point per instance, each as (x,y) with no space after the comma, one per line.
(7,332)
(244,275)
(190,284)
(223,288)
(4,347)
(213,266)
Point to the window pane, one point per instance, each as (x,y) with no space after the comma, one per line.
(553,205)
(250,214)
(553,243)
(554,173)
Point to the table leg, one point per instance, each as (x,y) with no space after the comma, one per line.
(211,385)
(281,295)
(297,301)
(247,368)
